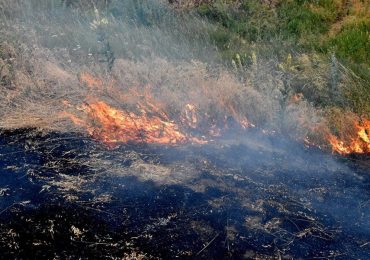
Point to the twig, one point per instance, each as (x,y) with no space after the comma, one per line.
(210,242)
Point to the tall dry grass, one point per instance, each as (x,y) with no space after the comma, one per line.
(46,47)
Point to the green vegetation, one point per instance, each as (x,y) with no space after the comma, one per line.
(298,20)
(353,42)
(332,35)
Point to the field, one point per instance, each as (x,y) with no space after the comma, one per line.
(190,129)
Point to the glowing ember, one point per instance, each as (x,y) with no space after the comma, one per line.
(358,143)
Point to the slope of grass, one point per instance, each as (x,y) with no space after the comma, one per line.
(336,31)
(353,42)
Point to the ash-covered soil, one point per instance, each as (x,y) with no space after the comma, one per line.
(64,196)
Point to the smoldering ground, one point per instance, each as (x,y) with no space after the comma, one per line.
(249,193)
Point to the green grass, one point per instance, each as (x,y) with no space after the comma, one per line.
(252,20)
(251,27)
(303,23)
(297,20)
(353,42)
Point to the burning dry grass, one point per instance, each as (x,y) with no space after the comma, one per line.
(164,102)
(55,78)
(350,134)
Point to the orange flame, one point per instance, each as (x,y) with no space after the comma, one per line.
(116,126)
(148,124)
(145,121)
(358,143)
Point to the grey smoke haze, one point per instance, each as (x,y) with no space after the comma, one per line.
(135,43)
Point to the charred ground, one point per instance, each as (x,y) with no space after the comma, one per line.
(75,78)
(63,195)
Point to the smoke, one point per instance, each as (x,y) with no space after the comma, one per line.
(140,45)
(58,58)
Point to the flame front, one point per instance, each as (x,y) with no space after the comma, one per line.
(147,123)
(144,119)
(358,142)
(116,126)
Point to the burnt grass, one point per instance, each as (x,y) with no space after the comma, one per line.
(65,196)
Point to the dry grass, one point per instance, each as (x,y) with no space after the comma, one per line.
(45,56)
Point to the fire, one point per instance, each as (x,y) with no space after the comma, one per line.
(113,126)
(144,118)
(358,143)
(118,126)
(148,124)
